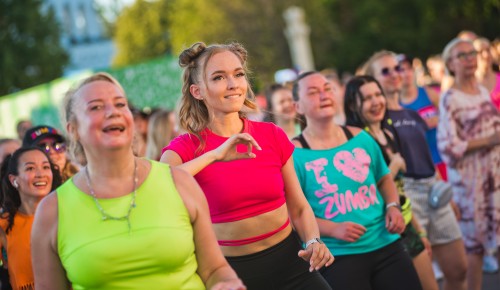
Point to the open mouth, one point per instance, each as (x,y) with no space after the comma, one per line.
(41,184)
(114,128)
(326,105)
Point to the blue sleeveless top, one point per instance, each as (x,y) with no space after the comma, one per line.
(426,109)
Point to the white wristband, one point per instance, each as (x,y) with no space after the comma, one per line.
(312,241)
(393,204)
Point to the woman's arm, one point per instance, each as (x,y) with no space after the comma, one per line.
(485,142)
(394,221)
(47,267)
(303,219)
(225,152)
(397,164)
(422,234)
(346,231)
(212,266)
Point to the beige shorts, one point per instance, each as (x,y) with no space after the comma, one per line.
(441,224)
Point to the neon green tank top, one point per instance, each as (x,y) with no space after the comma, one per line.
(156,253)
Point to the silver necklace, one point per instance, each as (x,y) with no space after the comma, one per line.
(104,214)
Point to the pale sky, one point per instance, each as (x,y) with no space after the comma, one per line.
(110,3)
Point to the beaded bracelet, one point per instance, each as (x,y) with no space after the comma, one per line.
(422,234)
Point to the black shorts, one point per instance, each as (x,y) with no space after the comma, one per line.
(411,241)
(388,268)
(278,268)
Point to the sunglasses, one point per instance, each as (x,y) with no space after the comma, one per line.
(465,55)
(386,71)
(56,146)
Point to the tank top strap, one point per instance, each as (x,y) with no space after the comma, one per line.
(347,132)
(302,141)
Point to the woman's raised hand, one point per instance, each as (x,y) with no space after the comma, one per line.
(228,150)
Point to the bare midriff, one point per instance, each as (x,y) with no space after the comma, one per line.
(251,227)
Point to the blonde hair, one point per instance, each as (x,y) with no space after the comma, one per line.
(160,133)
(447,52)
(68,113)
(193,113)
(368,66)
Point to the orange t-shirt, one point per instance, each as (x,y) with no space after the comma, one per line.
(19,252)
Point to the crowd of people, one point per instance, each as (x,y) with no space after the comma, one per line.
(326,183)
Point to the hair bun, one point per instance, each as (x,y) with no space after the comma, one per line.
(189,55)
(241,51)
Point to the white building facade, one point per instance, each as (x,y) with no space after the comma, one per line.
(83,35)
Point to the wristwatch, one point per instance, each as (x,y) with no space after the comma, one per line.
(393,204)
(312,241)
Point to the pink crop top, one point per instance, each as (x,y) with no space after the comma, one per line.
(242,188)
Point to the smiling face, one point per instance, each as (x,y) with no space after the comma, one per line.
(282,104)
(373,103)
(316,97)
(34,179)
(463,60)
(224,86)
(56,151)
(387,72)
(103,118)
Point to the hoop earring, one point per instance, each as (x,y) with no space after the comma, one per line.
(15,183)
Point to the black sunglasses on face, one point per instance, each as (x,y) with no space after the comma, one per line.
(56,146)
(386,71)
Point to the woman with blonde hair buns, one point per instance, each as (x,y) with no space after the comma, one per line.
(122,222)
(246,172)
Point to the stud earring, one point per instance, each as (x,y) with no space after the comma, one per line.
(367,129)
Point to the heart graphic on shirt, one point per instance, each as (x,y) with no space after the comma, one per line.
(354,165)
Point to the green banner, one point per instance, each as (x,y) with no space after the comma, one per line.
(156,83)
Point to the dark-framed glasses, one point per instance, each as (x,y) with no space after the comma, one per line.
(465,55)
(56,146)
(386,71)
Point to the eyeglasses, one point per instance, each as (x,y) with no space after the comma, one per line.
(56,146)
(465,55)
(386,71)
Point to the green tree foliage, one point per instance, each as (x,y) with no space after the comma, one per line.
(416,27)
(344,33)
(30,50)
(258,25)
(142,32)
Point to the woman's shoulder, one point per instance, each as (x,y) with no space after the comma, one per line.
(47,210)
(4,221)
(259,125)
(354,130)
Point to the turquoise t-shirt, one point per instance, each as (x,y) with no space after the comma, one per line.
(341,185)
